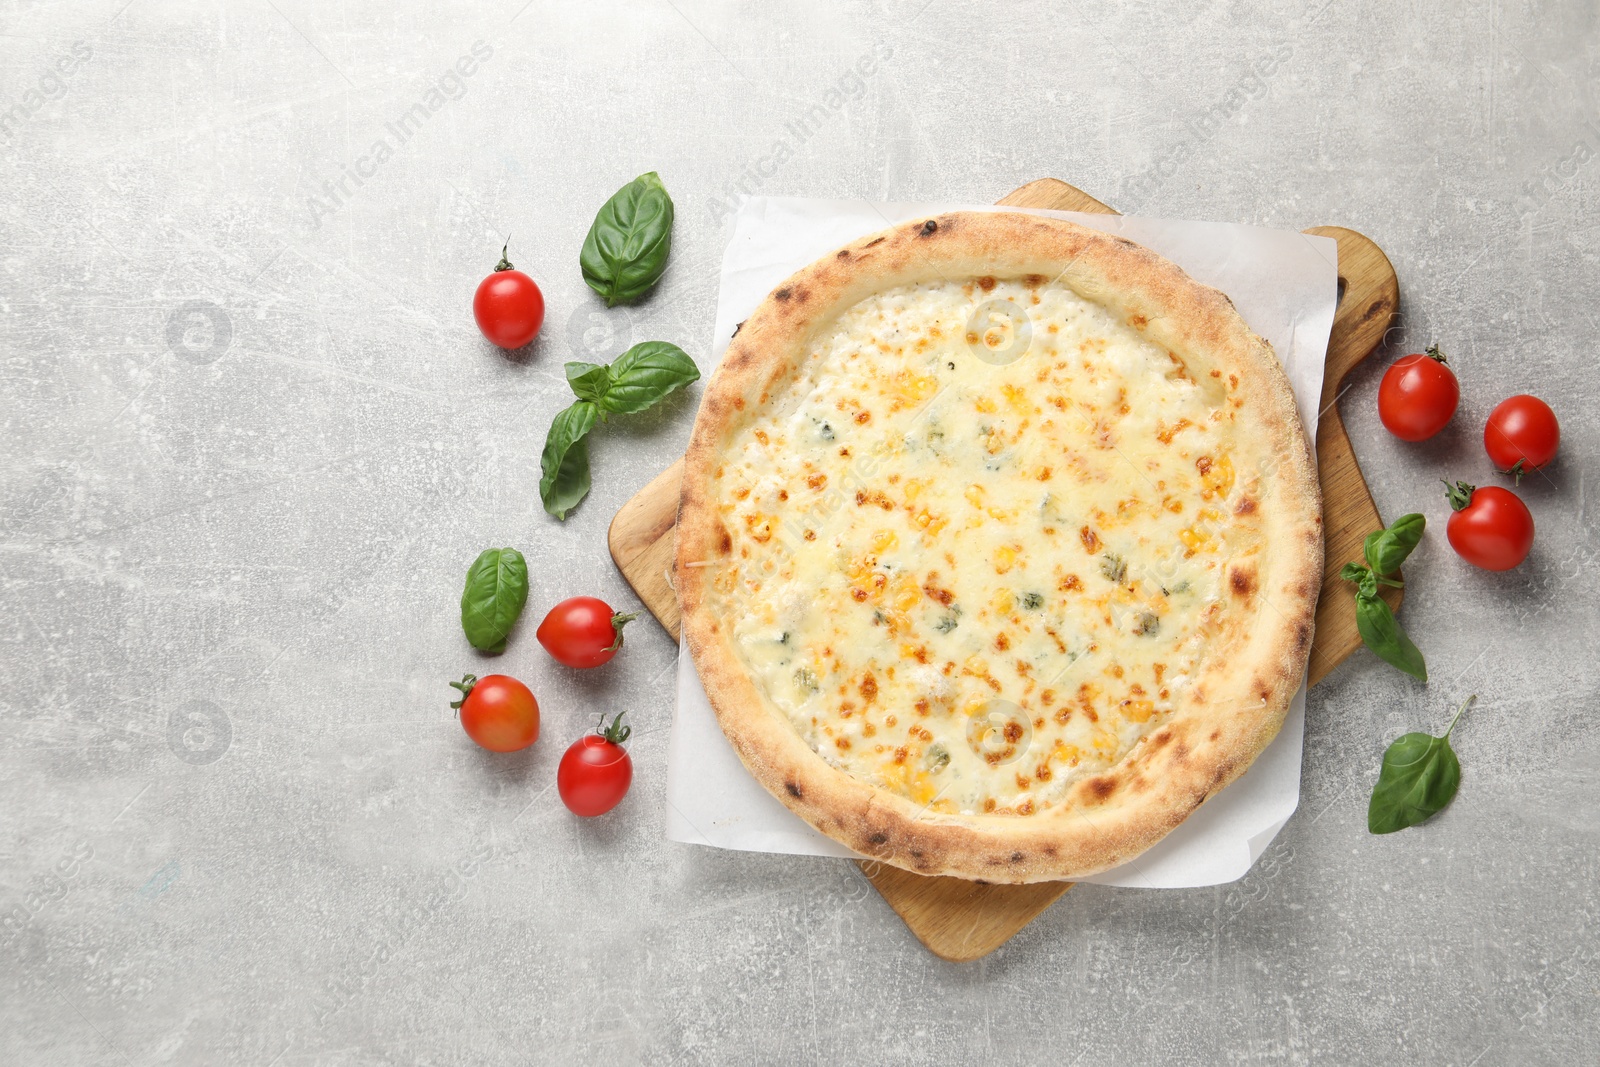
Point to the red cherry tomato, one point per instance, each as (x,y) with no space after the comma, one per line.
(1522,435)
(508,306)
(1418,395)
(596,771)
(583,631)
(498,712)
(1488,527)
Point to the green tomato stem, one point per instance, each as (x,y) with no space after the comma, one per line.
(465,685)
(618,621)
(616,733)
(504,264)
(1459,494)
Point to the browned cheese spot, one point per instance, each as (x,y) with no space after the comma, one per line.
(1242,581)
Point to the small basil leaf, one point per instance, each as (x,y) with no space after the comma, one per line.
(1387,549)
(1382,634)
(589,380)
(1352,572)
(496,590)
(644,374)
(565,461)
(627,247)
(1419,777)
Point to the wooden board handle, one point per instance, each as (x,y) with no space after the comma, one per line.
(1367,304)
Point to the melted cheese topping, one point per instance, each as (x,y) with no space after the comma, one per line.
(979,550)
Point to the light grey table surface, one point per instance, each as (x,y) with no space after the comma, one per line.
(259,513)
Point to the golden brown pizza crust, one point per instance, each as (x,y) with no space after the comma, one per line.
(1230,712)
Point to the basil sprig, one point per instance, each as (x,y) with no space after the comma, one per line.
(626,250)
(1418,779)
(497,588)
(632,382)
(1385,551)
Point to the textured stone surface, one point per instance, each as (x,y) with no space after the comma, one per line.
(238,823)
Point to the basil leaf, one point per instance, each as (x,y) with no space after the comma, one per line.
(1419,777)
(1366,581)
(1387,549)
(627,247)
(1369,547)
(565,461)
(1352,572)
(1418,780)
(589,380)
(496,590)
(644,374)
(1382,634)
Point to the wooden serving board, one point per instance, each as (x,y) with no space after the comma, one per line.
(961,920)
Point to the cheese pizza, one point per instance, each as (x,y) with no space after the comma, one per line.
(999,546)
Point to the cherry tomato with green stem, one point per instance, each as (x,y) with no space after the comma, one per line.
(583,631)
(1418,395)
(1522,435)
(596,771)
(508,305)
(1489,527)
(498,712)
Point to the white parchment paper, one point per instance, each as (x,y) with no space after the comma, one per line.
(1284,283)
